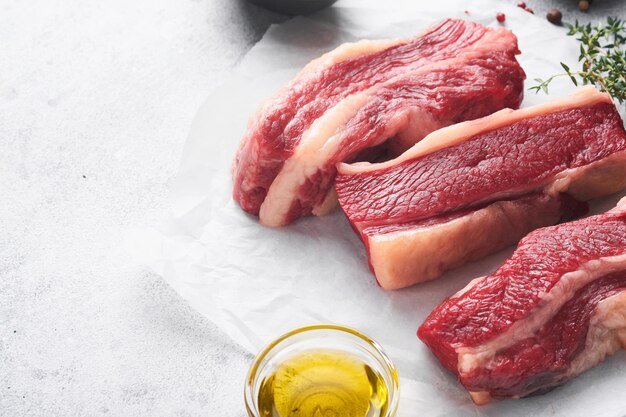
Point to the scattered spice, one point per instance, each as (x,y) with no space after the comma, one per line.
(523,5)
(583,5)
(501,17)
(554,16)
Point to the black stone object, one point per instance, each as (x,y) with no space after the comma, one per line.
(293,7)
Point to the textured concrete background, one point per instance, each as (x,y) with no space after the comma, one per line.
(95,102)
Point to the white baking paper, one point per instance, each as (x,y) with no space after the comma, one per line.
(256,283)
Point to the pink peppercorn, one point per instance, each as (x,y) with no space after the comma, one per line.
(501,17)
(521,4)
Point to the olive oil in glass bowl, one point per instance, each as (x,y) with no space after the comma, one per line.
(322,371)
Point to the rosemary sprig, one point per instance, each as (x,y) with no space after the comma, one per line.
(602,56)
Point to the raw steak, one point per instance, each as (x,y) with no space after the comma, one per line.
(554,309)
(359,96)
(470,189)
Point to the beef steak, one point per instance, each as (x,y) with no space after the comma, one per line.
(555,308)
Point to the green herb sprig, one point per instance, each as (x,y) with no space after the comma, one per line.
(602,56)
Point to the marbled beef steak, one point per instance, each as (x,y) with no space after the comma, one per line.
(555,308)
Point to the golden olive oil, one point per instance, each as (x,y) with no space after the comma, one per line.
(323,383)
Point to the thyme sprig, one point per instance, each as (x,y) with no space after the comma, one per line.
(602,56)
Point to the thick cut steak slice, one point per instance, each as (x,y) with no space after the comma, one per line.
(555,308)
(357,97)
(470,189)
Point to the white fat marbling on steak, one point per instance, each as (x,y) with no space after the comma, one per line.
(404,258)
(470,358)
(606,335)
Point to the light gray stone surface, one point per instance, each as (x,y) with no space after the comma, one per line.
(95,102)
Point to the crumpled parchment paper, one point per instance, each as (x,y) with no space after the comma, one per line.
(256,283)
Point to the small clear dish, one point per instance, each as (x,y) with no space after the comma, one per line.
(322,370)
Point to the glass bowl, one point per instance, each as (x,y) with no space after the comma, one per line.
(316,338)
